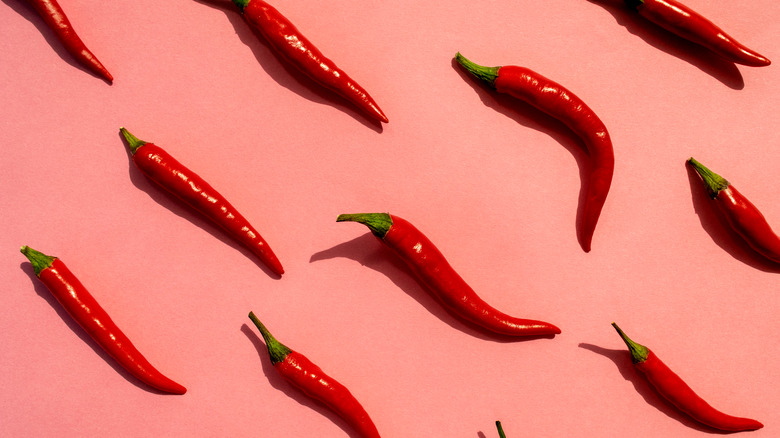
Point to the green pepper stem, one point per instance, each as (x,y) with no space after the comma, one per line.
(241,4)
(39,260)
(639,352)
(500,430)
(132,141)
(486,74)
(714,182)
(378,223)
(276,349)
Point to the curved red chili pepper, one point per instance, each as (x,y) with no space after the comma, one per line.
(285,38)
(686,23)
(309,378)
(560,103)
(86,311)
(57,21)
(740,213)
(430,266)
(162,168)
(677,392)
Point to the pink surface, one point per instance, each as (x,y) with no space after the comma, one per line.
(495,185)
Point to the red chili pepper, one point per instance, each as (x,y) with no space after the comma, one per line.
(285,38)
(309,378)
(86,311)
(429,264)
(741,214)
(676,391)
(560,103)
(57,21)
(162,168)
(686,23)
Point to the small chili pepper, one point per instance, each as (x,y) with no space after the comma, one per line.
(500,430)
(309,378)
(86,311)
(686,23)
(162,168)
(58,22)
(740,213)
(430,266)
(560,103)
(676,391)
(288,41)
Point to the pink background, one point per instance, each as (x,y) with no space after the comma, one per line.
(493,183)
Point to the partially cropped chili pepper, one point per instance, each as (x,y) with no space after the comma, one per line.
(740,213)
(686,23)
(560,103)
(288,41)
(309,378)
(500,430)
(86,311)
(430,266)
(677,392)
(57,21)
(170,174)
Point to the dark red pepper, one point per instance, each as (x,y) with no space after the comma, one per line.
(686,23)
(677,392)
(740,213)
(162,168)
(560,103)
(57,21)
(309,378)
(86,311)
(285,38)
(430,266)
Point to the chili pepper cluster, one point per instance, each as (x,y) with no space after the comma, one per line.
(411,245)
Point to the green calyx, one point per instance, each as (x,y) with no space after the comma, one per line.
(241,4)
(378,223)
(276,349)
(39,260)
(639,352)
(133,142)
(712,181)
(500,430)
(486,74)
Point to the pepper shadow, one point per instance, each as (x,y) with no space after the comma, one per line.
(720,231)
(371,253)
(283,72)
(622,359)
(279,383)
(28,12)
(44,293)
(181,209)
(704,59)
(527,115)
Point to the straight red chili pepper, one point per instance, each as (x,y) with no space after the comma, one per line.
(677,392)
(740,213)
(57,21)
(430,266)
(686,23)
(170,174)
(86,311)
(309,378)
(288,41)
(555,100)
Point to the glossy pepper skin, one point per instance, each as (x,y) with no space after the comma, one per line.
(677,392)
(162,168)
(558,102)
(58,22)
(309,378)
(86,311)
(288,41)
(740,213)
(686,23)
(430,266)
